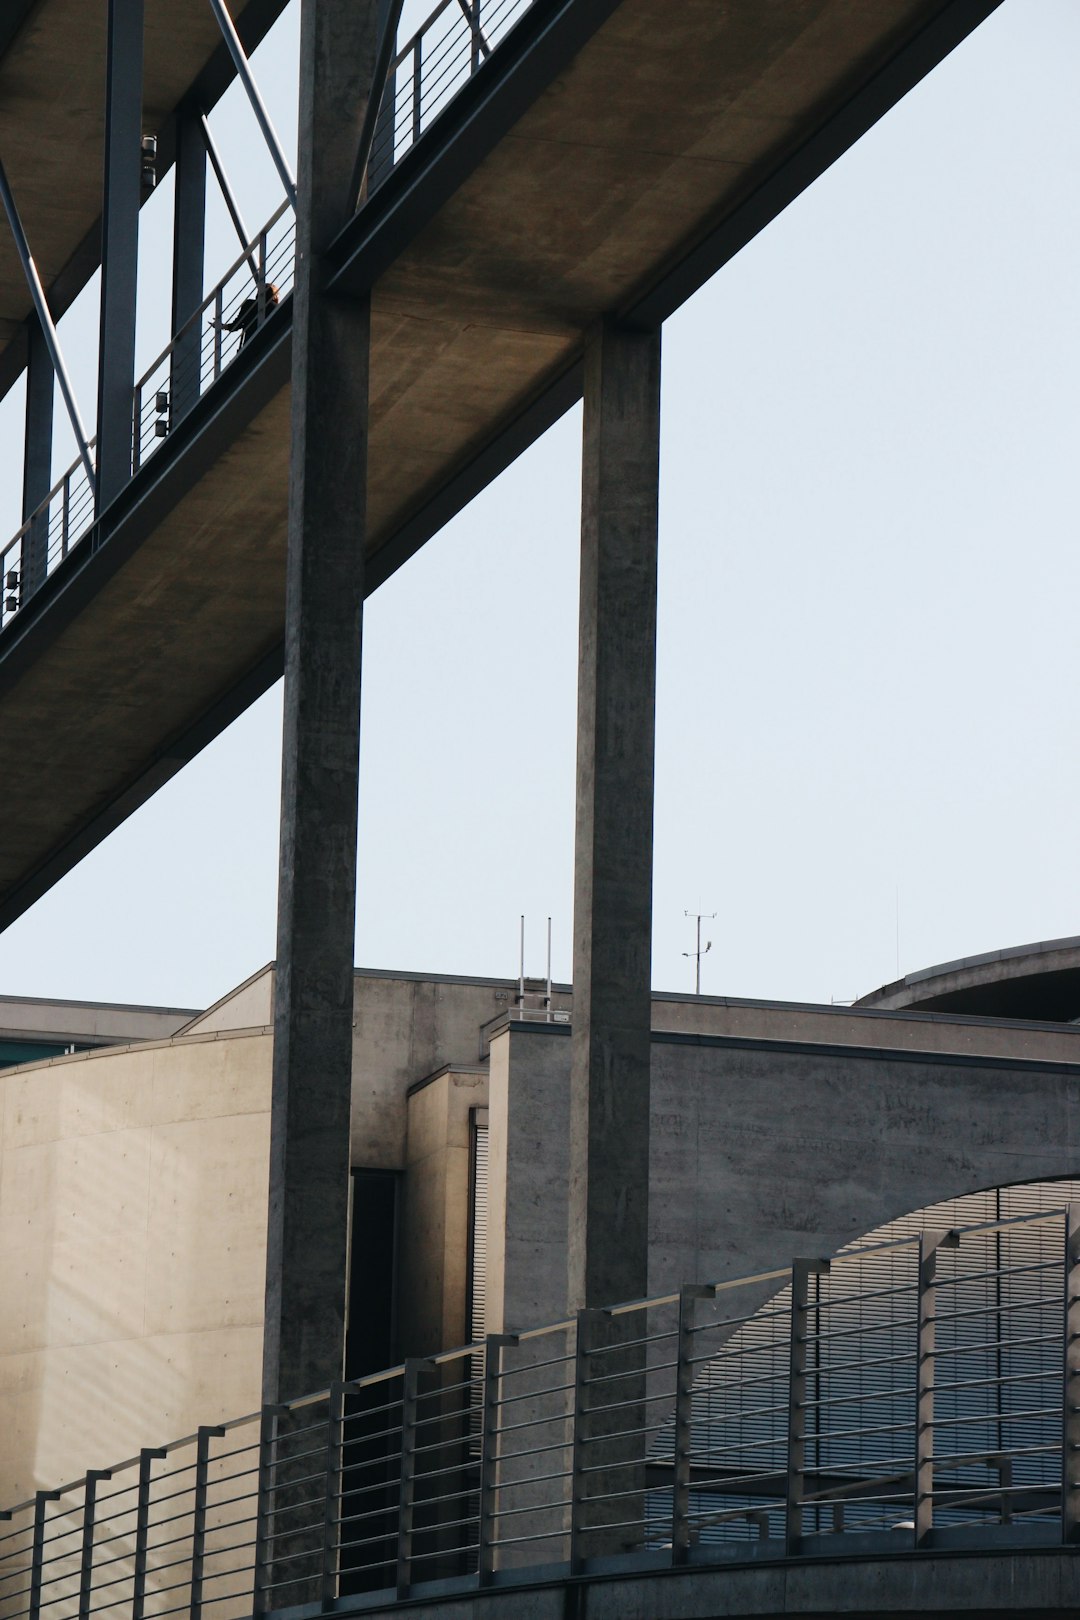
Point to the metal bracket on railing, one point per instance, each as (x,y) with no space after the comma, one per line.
(1070,1436)
(684,1412)
(37,1553)
(264,1535)
(147,1458)
(86,1562)
(801,1272)
(925,1327)
(494,1345)
(335,1444)
(414,1366)
(586,1321)
(205,1434)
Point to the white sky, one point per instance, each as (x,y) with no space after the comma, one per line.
(869,593)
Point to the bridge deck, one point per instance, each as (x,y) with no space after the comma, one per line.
(653,142)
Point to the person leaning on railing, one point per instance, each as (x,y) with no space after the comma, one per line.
(249,317)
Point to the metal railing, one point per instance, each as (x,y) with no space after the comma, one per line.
(448,48)
(915,1394)
(427,73)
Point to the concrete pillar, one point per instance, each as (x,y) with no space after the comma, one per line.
(189,235)
(609,1108)
(37,455)
(119,245)
(309,1148)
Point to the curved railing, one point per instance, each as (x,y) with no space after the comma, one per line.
(448,48)
(907,1396)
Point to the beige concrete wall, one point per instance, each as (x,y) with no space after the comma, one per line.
(435,1217)
(249,1006)
(405,1029)
(96,1022)
(132,1242)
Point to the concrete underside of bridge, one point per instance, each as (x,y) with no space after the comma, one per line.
(657,130)
(1037,1584)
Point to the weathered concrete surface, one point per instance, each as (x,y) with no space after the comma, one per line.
(763,1151)
(307,1229)
(1034,1585)
(665,122)
(435,1218)
(132,1241)
(90,1023)
(613,843)
(1039,981)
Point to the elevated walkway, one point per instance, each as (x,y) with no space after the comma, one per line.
(606,157)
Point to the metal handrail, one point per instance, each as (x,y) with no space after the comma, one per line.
(630,1452)
(434,64)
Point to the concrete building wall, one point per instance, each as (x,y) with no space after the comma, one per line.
(91,1022)
(435,1215)
(406,1028)
(762,1152)
(132,1244)
(249,1006)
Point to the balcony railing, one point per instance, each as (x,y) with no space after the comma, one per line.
(456,40)
(917,1394)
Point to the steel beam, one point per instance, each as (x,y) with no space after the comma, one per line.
(613,855)
(47,326)
(37,457)
(258,106)
(119,246)
(313,1003)
(189,242)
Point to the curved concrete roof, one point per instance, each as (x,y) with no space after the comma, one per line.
(1040,981)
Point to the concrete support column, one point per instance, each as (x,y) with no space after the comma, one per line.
(189,235)
(119,245)
(309,1147)
(37,454)
(609,1110)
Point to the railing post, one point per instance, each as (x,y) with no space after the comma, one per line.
(260,286)
(86,1563)
(65,516)
(801,1272)
(474,25)
(147,1458)
(136,437)
(489,1452)
(1070,1429)
(219,310)
(925,1319)
(206,1433)
(417,70)
(414,1366)
(37,1553)
(586,1321)
(684,1413)
(264,1509)
(335,1438)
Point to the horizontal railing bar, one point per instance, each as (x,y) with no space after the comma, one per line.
(536,1394)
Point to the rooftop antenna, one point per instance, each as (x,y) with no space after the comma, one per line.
(521,967)
(547,998)
(699,917)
